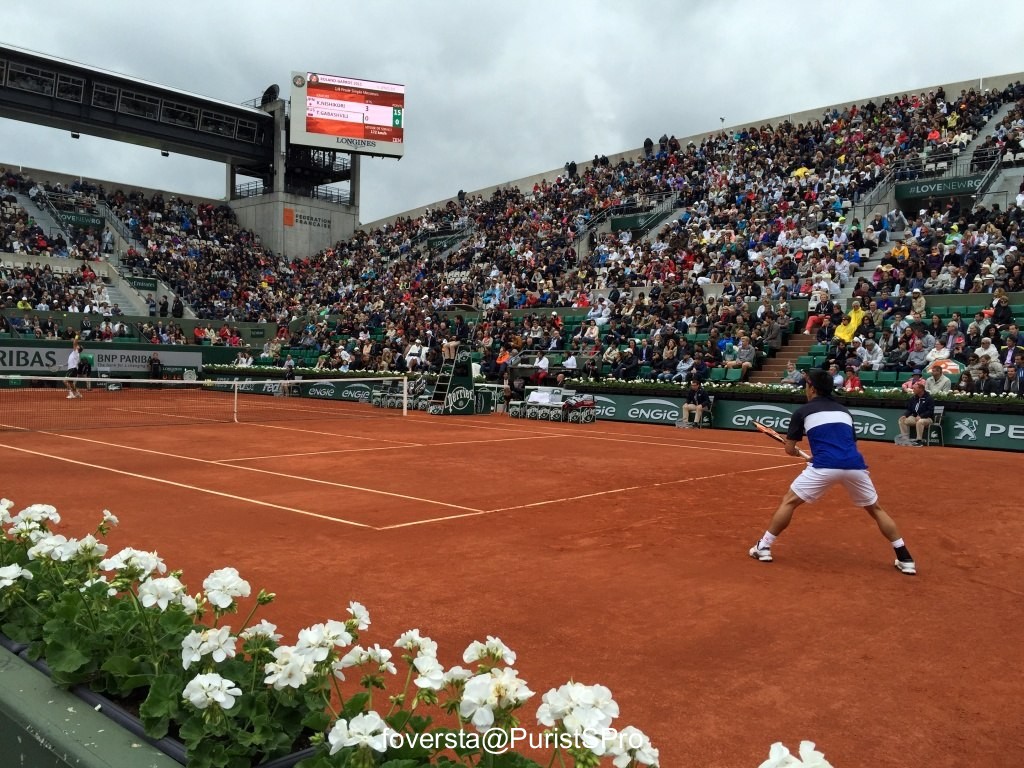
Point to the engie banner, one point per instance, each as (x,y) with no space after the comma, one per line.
(962,430)
(334,390)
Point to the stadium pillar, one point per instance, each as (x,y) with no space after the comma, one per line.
(353,182)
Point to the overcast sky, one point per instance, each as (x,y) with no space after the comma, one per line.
(496,91)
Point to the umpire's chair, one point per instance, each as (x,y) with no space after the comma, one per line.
(708,416)
(934,431)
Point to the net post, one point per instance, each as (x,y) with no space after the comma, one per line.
(405,395)
(234,404)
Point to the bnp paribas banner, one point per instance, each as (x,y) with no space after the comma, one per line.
(106,359)
(963,430)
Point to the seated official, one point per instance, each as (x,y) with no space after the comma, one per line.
(696,401)
(919,414)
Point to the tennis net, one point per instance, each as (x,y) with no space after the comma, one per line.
(34,404)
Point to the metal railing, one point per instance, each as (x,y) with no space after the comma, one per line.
(990,176)
(250,189)
(115,222)
(328,194)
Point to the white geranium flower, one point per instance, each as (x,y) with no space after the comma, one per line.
(337,634)
(146,563)
(110,519)
(431,672)
(779,757)
(27,529)
(216,643)
(52,547)
(579,707)
(316,642)
(476,704)
(630,746)
(160,592)
(360,615)
(10,574)
(224,585)
(190,604)
(204,690)
(809,757)
(38,513)
(456,674)
(5,511)
(289,669)
(263,629)
(368,729)
(483,694)
(492,649)
(90,546)
(416,643)
(359,656)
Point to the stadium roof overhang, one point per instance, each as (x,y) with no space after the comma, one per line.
(57,93)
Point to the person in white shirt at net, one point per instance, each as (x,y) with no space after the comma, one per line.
(74,360)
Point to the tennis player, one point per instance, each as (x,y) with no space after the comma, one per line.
(74,360)
(835,459)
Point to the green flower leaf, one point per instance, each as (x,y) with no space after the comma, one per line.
(65,659)
(162,704)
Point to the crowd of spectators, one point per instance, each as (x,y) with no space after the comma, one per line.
(764,214)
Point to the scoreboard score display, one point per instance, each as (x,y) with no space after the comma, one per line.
(348,114)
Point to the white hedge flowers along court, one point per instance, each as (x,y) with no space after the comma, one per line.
(123,626)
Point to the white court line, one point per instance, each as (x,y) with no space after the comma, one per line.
(693,444)
(386,448)
(151,412)
(265,472)
(330,434)
(700,446)
(588,432)
(315,453)
(581,496)
(189,487)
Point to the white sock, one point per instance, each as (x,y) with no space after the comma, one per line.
(766,541)
(897,544)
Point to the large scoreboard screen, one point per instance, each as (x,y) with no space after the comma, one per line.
(347,114)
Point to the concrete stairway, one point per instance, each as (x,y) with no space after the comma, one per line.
(50,226)
(773,368)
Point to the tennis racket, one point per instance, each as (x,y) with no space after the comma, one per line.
(776,436)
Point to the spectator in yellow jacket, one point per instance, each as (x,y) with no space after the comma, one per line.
(846,330)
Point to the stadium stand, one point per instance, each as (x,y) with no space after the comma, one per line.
(756,218)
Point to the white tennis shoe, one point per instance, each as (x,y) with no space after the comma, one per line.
(906,566)
(764,555)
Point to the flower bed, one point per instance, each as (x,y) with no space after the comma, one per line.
(237,696)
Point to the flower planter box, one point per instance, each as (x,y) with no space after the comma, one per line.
(44,725)
(107,708)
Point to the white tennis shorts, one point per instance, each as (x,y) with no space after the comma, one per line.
(811,484)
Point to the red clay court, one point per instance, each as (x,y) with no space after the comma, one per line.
(611,553)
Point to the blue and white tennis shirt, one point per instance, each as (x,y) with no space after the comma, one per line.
(829,429)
